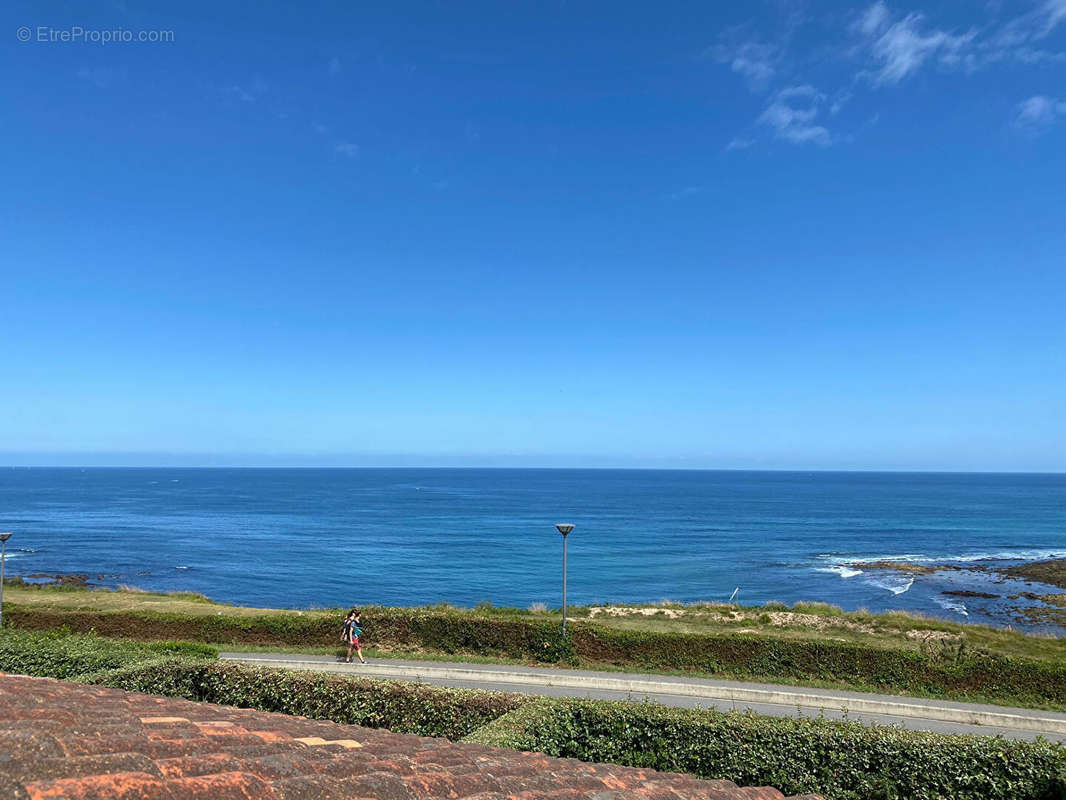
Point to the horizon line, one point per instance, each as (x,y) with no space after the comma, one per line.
(836,470)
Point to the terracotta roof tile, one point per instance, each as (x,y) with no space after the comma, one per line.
(61,740)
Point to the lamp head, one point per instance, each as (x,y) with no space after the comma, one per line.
(564,528)
(4,537)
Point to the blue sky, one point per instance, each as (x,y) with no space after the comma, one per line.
(752,235)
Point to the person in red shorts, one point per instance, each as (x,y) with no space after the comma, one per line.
(351,636)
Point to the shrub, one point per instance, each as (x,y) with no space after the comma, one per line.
(399,706)
(59,654)
(840,760)
(959,673)
(941,671)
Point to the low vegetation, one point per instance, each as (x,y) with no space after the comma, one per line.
(809,643)
(840,760)
(397,705)
(60,654)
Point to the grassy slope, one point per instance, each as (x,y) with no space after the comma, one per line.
(814,621)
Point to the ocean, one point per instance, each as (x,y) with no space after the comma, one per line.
(338,537)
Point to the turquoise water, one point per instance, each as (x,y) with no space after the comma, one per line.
(332,537)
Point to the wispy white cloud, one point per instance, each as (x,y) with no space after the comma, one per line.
(792,116)
(348,149)
(840,99)
(1030,55)
(892,45)
(1022,37)
(753,60)
(740,143)
(873,19)
(1039,113)
(900,46)
(1033,25)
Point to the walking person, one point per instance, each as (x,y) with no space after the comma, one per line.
(351,635)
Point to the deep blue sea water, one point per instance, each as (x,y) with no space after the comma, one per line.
(333,537)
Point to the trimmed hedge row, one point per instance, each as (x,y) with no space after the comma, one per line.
(382,627)
(947,672)
(399,706)
(840,760)
(955,673)
(59,654)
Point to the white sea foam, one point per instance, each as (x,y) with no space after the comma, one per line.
(894,585)
(960,558)
(841,570)
(908,557)
(180,567)
(951,605)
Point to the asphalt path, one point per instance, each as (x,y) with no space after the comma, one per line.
(772,700)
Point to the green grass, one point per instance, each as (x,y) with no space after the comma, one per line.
(840,760)
(803,621)
(809,644)
(826,621)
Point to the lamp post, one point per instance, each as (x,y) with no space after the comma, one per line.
(564,528)
(3,557)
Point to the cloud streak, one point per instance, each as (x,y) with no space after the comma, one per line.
(1039,113)
(753,60)
(792,116)
(899,47)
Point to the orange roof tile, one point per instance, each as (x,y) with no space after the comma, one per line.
(75,742)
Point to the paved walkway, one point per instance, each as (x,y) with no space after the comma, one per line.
(780,701)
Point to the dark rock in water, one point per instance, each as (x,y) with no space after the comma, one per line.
(1052,572)
(79,581)
(969,593)
(898,566)
(910,568)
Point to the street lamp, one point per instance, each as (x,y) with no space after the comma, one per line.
(564,528)
(3,557)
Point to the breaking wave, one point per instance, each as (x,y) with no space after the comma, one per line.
(961,558)
(894,585)
(951,605)
(841,570)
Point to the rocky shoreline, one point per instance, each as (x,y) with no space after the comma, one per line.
(1025,606)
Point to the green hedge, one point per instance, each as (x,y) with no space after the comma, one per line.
(840,760)
(59,654)
(399,706)
(949,672)
(445,632)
